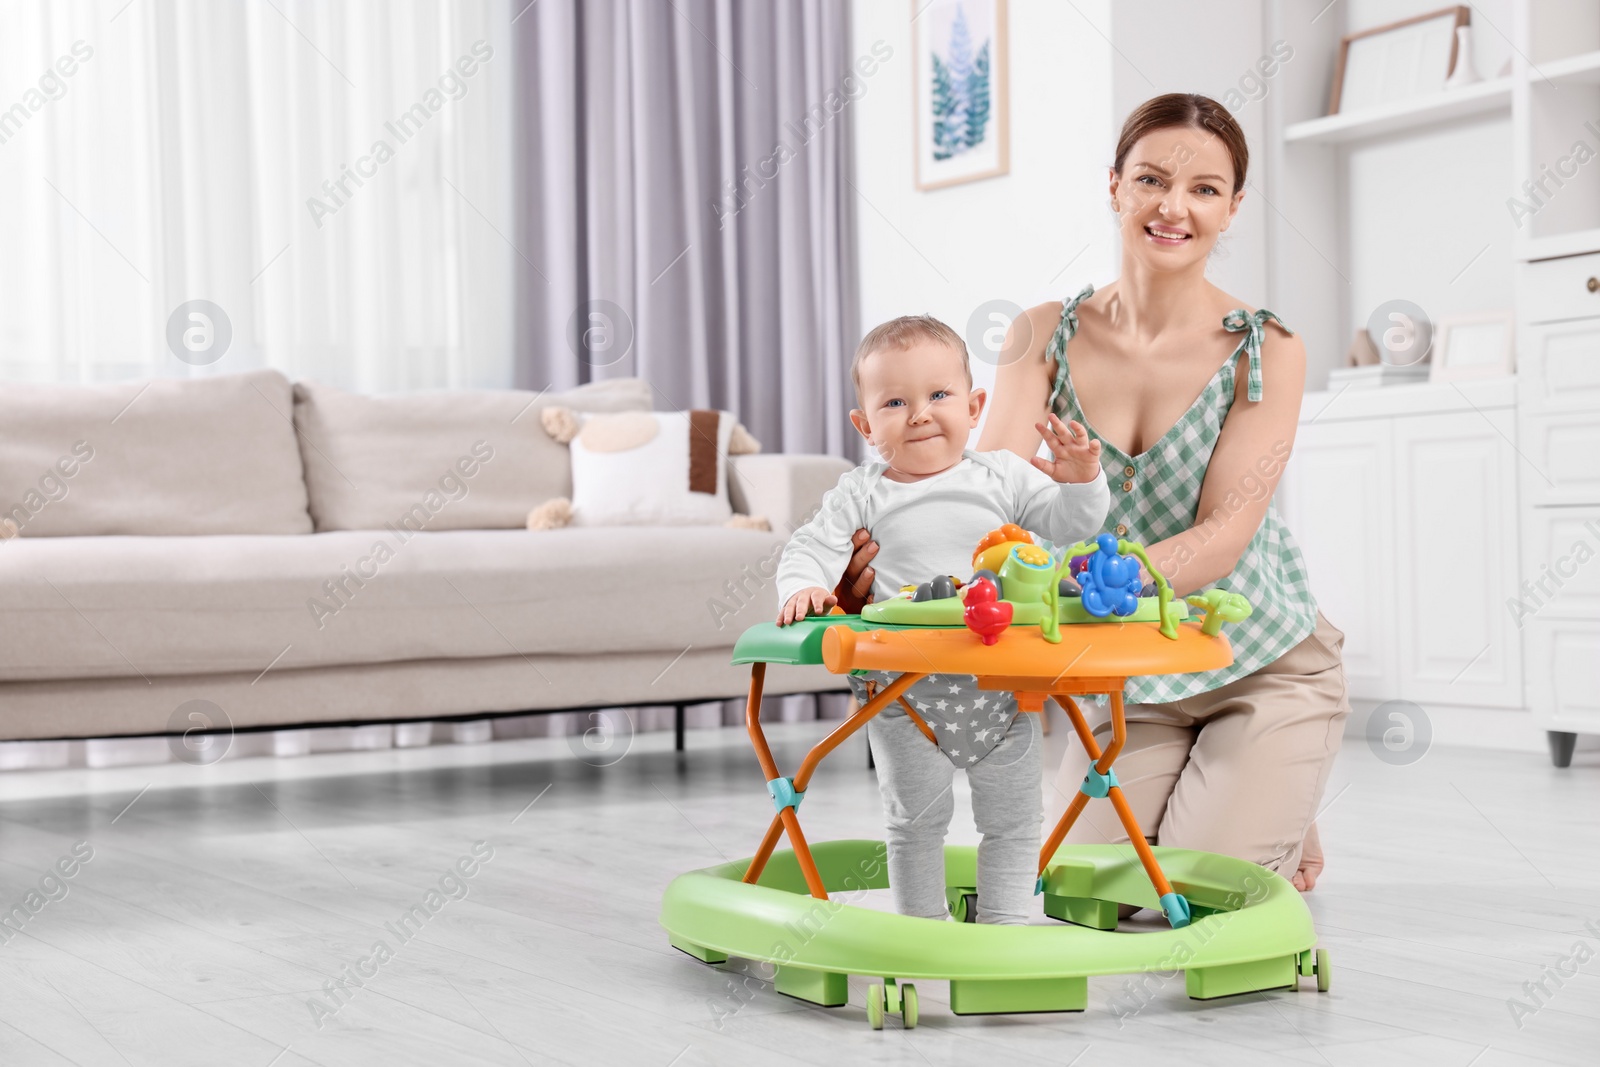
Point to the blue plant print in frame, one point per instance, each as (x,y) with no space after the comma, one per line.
(959,49)
(961,90)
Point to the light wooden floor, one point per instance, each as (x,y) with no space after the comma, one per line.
(221,900)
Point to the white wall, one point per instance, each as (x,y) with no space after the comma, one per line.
(1039,233)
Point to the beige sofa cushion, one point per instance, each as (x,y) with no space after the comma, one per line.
(166,457)
(137,607)
(456,460)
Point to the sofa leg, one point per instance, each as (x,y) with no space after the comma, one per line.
(677,727)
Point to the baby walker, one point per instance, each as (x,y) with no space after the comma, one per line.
(1039,623)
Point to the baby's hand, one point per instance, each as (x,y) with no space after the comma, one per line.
(1077,458)
(813,600)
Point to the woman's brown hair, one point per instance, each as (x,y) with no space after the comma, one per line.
(1190,110)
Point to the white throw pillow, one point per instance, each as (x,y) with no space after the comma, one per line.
(651,468)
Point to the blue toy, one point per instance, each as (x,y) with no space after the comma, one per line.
(1110,581)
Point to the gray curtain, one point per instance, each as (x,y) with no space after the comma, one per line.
(683,212)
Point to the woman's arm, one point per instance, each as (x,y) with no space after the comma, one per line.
(1248,460)
(1020,398)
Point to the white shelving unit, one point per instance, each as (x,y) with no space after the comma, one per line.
(1556,103)
(1483,98)
(1583,67)
(1472,199)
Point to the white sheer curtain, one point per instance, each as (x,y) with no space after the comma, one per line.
(177,161)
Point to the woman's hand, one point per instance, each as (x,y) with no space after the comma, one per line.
(1077,457)
(854,591)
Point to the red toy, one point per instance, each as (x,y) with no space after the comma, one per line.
(986,614)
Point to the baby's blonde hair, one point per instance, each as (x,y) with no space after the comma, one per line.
(901,334)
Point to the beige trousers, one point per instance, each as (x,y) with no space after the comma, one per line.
(1239,770)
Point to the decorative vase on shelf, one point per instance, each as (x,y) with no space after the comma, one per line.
(1465,73)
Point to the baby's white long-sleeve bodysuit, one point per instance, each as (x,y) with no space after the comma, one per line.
(924,529)
(930,527)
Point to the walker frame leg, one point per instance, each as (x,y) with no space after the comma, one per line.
(787,819)
(1176,907)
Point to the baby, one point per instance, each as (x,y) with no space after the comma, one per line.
(928,503)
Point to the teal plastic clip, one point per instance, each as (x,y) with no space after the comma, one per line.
(1176,908)
(1038,885)
(784,794)
(1097,784)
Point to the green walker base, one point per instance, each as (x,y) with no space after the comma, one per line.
(1250,932)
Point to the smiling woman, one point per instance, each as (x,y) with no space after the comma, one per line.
(1232,760)
(1152,161)
(1186,415)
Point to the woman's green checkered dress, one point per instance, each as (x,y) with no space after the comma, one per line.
(1156,495)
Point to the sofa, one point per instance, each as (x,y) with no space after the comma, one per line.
(298,555)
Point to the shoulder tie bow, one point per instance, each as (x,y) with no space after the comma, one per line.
(1253,327)
(1066,331)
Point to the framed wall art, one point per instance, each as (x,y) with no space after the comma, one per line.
(1473,346)
(959,97)
(1396,61)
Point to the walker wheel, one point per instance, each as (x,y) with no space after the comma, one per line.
(1324,972)
(875,1006)
(908,1005)
(969,908)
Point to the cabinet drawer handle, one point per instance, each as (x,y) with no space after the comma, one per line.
(1594,283)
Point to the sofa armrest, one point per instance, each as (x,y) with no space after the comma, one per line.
(784,488)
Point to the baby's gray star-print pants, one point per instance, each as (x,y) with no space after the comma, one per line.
(1001,751)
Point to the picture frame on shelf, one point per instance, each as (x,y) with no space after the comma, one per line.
(1475,346)
(1397,61)
(960,74)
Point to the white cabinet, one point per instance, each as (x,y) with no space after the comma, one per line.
(1336,493)
(1557,606)
(1559,363)
(1556,290)
(1564,676)
(1561,575)
(1404,508)
(1456,541)
(1558,609)
(1563,458)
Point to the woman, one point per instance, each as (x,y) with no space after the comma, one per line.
(1196,423)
